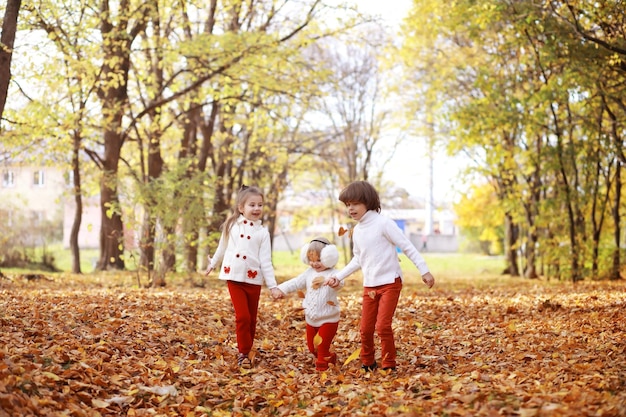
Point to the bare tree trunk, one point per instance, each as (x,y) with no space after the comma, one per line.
(7,40)
(531,255)
(112,228)
(510,242)
(114,97)
(617,230)
(146,244)
(189,151)
(168,261)
(148,228)
(78,199)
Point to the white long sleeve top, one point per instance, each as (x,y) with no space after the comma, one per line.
(320,305)
(247,256)
(375,238)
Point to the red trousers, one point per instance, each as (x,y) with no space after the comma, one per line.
(326,332)
(245,298)
(379,306)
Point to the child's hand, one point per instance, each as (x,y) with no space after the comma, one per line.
(210,268)
(332,282)
(428,279)
(277,293)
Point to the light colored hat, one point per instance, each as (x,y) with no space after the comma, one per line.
(329,255)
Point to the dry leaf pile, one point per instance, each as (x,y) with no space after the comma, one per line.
(525,349)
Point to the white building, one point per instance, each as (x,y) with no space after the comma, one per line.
(35,194)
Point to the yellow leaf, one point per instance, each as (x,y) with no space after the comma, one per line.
(99,403)
(266,345)
(317,340)
(372,294)
(300,294)
(352,357)
(52,376)
(527,412)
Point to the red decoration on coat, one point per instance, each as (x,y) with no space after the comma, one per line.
(227,269)
(252,274)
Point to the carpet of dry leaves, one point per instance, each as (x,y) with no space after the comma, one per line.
(103,348)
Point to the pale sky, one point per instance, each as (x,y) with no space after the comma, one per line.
(409,167)
(392,11)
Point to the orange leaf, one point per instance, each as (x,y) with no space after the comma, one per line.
(317,282)
(343,231)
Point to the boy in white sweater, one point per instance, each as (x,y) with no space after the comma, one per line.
(375,238)
(321,307)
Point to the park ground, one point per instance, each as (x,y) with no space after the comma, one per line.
(476,345)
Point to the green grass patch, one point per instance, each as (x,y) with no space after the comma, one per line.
(454,269)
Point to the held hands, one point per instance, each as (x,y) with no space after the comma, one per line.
(332,282)
(276,293)
(428,279)
(210,268)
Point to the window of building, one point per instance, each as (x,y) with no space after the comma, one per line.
(8,179)
(39,179)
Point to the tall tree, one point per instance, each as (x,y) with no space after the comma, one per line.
(119,26)
(7,40)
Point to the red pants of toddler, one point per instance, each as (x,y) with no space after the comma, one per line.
(326,332)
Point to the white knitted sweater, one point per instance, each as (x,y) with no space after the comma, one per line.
(320,305)
(375,238)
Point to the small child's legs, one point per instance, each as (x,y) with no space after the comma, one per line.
(326,332)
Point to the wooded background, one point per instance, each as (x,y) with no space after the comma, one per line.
(169,107)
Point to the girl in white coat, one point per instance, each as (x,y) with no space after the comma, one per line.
(245,253)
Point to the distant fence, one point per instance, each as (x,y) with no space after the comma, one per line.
(435,243)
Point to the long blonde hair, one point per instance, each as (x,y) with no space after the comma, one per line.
(242,196)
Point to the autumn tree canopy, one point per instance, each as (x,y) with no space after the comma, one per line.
(532,94)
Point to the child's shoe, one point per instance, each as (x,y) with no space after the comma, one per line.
(368,368)
(322,364)
(243,361)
